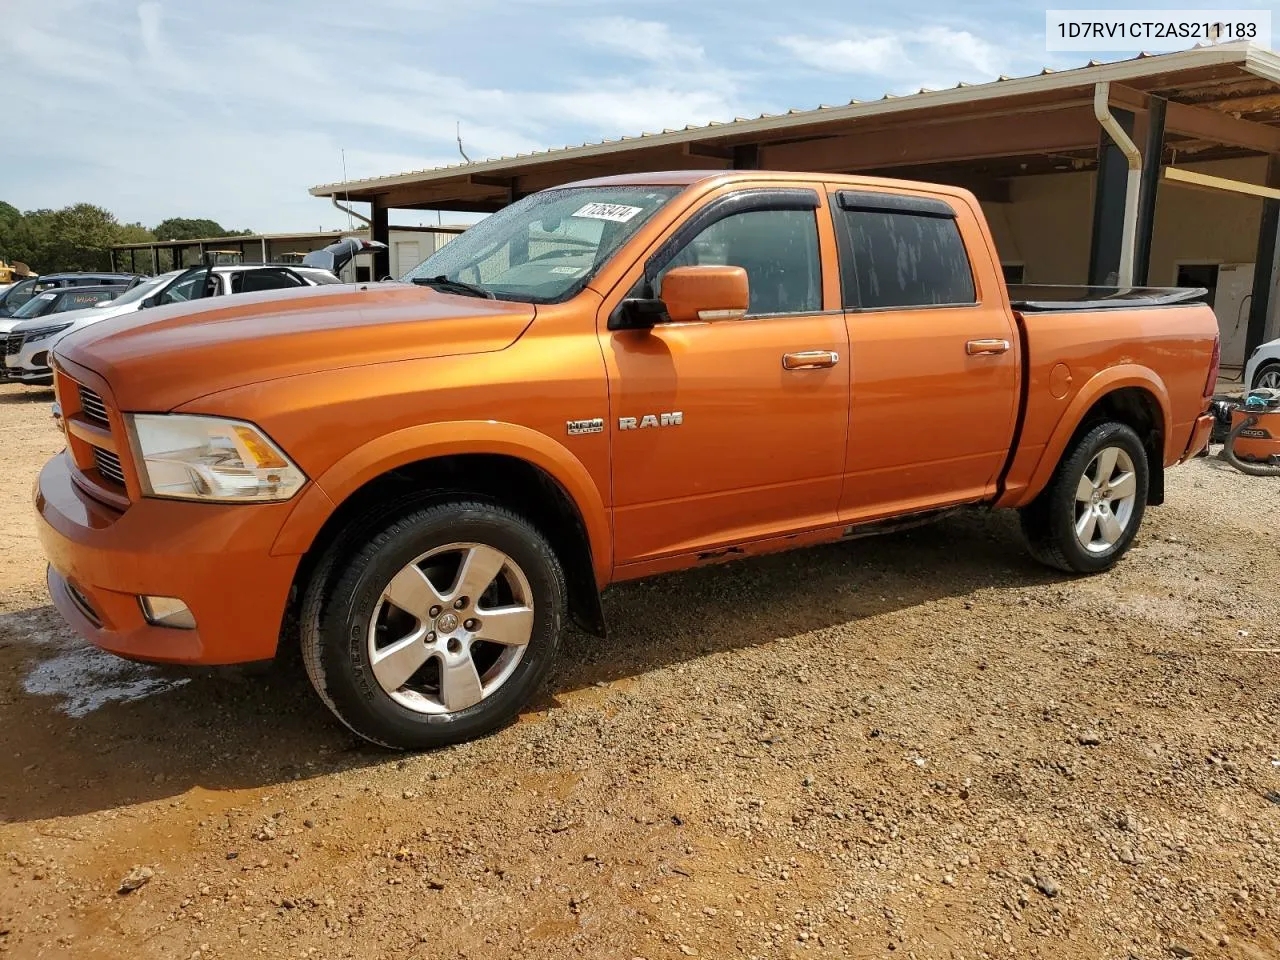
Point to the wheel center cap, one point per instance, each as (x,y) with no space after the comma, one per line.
(447,623)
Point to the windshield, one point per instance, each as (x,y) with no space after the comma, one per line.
(144,289)
(19,293)
(37,306)
(546,247)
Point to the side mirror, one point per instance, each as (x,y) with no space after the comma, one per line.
(150,301)
(707,292)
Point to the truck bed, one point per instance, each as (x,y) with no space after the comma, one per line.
(1057,298)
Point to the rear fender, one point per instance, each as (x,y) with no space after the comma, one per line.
(425,441)
(1102,383)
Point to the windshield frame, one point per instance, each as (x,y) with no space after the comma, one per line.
(486,245)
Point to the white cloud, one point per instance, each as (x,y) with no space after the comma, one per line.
(932,56)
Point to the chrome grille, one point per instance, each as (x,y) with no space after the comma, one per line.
(108,465)
(93,407)
(12,344)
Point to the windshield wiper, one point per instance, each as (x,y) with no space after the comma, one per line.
(454,286)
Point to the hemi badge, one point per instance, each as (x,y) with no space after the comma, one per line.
(577,427)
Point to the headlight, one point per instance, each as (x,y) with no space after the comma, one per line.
(44,332)
(210,458)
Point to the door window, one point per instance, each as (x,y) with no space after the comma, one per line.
(901,258)
(251,281)
(197,284)
(777,248)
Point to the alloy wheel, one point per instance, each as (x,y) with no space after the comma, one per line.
(450,628)
(1105,497)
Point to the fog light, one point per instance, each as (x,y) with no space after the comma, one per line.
(167,612)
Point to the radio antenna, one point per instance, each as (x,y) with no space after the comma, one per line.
(460,150)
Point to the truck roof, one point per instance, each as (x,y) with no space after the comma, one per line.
(688,177)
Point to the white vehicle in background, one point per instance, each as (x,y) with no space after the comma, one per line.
(1263,369)
(28,344)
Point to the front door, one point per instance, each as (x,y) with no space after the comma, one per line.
(716,437)
(935,355)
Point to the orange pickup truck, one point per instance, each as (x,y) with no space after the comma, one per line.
(421,482)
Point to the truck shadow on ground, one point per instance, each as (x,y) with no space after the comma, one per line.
(230,729)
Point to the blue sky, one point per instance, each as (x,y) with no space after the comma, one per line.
(232,109)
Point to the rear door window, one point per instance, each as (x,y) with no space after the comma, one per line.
(900,252)
(250,281)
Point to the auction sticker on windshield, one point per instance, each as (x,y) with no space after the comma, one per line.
(618,212)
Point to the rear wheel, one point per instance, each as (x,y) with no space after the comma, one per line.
(1088,515)
(1267,377)
(438,629)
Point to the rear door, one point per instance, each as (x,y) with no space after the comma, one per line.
(934,352)
(732,431)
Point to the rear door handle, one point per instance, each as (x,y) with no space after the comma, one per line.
(978,348)
(810,359)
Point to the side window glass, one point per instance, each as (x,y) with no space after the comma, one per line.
(249,281)
(187,288)
(903,260)
(777,248)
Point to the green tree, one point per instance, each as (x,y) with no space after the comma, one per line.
(183,228)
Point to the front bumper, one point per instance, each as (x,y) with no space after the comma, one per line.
(30,364)
(216,558)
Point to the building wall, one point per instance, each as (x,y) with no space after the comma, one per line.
(1048,222)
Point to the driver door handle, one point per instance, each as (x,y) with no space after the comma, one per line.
(976,348)
(810,359)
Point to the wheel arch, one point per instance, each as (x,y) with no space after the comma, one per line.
(508,464)
(1130,394)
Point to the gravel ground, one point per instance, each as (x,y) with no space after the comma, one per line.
(919,746)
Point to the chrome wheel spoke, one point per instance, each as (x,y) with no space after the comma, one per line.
(460,685)
(1085,489)
(1123,486)
(480,567)
(412,592)
(1086,524)
(509,626)
(1106,465)
(1109,526)
(394,664)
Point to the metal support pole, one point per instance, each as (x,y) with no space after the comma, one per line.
(1152,155)
(381,232)
(1111,175)
(1266,266)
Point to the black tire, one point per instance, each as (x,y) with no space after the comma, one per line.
(1270,366)
(343,596)
(1048,522)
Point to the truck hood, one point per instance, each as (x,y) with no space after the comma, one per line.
(158,359)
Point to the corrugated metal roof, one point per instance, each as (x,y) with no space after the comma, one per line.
(1251,58)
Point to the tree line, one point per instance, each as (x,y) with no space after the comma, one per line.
(80,236)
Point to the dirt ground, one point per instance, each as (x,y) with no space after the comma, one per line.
(917,746)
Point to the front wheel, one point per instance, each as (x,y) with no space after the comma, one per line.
(1088,515)
(438,629)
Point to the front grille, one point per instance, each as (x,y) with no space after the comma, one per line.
(108,465)
(93,407)
(12,344)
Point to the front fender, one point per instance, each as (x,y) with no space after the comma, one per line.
(1098,386)
(424,441)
